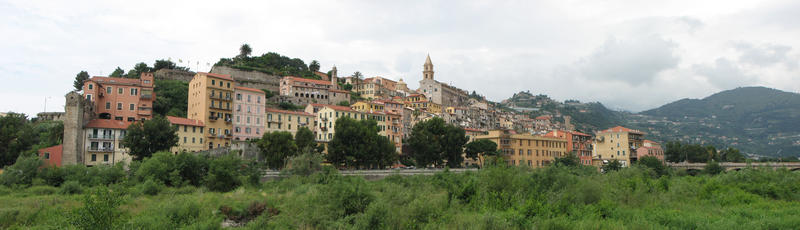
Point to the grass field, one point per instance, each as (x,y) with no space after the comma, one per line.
(493,198)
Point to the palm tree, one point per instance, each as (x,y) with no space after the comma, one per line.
(245,50)
(313,66)
(357,75)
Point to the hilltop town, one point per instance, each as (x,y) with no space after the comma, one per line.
(240,100)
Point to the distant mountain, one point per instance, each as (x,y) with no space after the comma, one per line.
(756,120)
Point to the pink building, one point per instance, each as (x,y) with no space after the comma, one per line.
(650,148)
(51,156)
(122,99)
(248,113)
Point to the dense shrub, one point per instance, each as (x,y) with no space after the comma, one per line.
(224,173)
(70,187)
(173,170)
(22,172)
(305,164)
(100,210)
(151,187)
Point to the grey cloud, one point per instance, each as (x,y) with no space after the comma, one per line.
(723,73)
(635,61)
(764,54)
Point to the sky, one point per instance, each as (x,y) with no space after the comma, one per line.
(628,55)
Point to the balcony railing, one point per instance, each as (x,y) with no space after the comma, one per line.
(146,96)
(101,149)
(101,136)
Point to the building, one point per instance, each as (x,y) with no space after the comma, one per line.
(579,144)
(376,87)
(617,143)
(289,121)
(211,102)
(650,148)
(122,99)
(305,91)
(366,106)
(525,149)
(102,142)
(190,134)
(248,113)
(326,116)
(471,134)
(51,156)
(440,93)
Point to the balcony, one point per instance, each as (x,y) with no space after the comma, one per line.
(212,118)
(323,128)
(101,137)
(101,149)
(228,120)
(146,97)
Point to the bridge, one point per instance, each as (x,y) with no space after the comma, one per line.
(377,174)
(731,166)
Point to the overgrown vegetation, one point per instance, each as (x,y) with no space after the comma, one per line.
(562,196)
(270,63)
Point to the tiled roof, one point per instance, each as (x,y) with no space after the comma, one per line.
(184,121)
(249,89)
(300,79)
(216,75)
(580,134)
(619,129)
(473,130)
(334,107)
(288,112)
(543,118)
(116,80)
(108,124)
(338,91)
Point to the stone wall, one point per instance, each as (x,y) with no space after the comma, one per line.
(171,74)
(251,79)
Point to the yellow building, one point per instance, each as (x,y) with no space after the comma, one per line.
(618,143)
(211,102)
(366,106)
(289,121)
(190,134)
(326,116)
(525,149)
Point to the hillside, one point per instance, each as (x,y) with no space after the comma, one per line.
(587,117)
(756,120)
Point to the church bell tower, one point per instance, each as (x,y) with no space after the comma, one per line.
(427,72)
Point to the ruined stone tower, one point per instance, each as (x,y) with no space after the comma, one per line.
(77,112)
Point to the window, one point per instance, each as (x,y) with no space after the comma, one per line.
(94,157)
(258,100)
(213,82)
(46,155)
(119,106)
(134,92)
(89,97)
(248,98)
(147,81)
(229,85)
(184,140)
(108,90)
(131,119)
(194,129)
(247,130)
(258,120)
(90,86)
(248,120)
(192,140)
(119,90)
(105,157)
(520,151)
(238,96)
(132,107)
(237,119)
(108,105)
(201,140)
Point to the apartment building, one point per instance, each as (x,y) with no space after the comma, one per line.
(650,148)
(248,113)
(190,134)
(121,99)
(289,121)
(305,91)
(376,87)
(578,143)
(102,142)
(326,116)
(211,102)
(617,143)
(525,149)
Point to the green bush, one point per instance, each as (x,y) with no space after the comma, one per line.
(22,172)
(100,210)
(70,187)
(223,173)
(173,170)
(305,164)
(713,168)
(52,175)
(151,187)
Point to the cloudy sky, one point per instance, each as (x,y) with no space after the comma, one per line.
(629,55)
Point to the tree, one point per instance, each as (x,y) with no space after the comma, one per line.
(357,144)
(713,168)
(16,136)
(173,98)
(138,69)
(343,103)
(433,141)
(145,138)
(245,50)
(79,79)
(308,162)
(117,72)
(166,64)
(568,160)
(614,165)
(276,148)
(357,75)
(347,87)
(481,147)
(304,138)
(731,155)
(653,163)
(314,66)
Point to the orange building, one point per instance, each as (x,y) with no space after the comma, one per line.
(578,143)
(650,148)
(51,156)
(211,102)
(122,99)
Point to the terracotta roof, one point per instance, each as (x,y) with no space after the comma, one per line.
(649,141)
(580,134)
(300,79)
(221,76)
(334,107)
(619,129)
(184,121)
(473,130)
(249,89)
(108,124)
(288,112)
(338,91)
(116,80)
(543,118)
